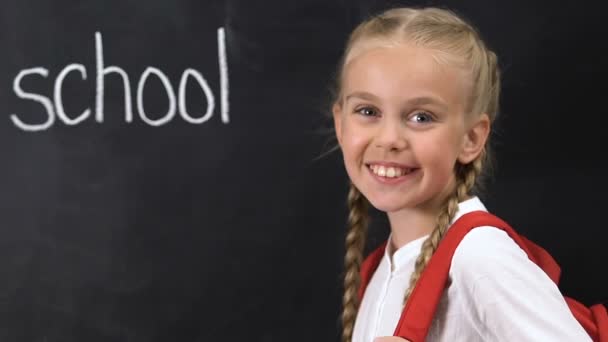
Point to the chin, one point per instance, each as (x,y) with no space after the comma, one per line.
(386,205)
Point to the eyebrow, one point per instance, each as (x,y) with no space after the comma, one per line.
(417,101)
(361,95)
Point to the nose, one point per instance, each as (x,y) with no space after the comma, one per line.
(391,136)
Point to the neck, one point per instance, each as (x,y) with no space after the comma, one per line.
(409,225)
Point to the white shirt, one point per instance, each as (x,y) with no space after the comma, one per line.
(496,293)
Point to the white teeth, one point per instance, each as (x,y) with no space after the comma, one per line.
(389,172)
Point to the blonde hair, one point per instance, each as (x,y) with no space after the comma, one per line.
(459,44)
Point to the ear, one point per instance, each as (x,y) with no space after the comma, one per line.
(337,114)
(475,139)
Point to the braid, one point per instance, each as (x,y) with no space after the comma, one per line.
(466,175)
(355,243)
(432,242)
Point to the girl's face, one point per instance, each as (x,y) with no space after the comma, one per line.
(401,126)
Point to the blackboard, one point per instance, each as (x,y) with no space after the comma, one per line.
(160,179)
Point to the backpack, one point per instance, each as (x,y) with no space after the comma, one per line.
(420,308)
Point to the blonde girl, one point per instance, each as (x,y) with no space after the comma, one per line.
(416,96)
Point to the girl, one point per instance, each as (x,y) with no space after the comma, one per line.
(417,92)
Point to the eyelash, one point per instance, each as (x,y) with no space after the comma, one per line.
(416,114)
(359,111)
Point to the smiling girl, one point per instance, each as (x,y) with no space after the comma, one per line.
(416,96)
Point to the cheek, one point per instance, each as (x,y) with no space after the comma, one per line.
(354,142)
(438,151)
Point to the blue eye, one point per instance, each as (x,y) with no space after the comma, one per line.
(366,111)
(421,117)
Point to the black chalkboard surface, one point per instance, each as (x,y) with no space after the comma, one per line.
(159,179)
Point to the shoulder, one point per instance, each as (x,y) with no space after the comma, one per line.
(483,244)
(505,294)
(490,268)
(489,252)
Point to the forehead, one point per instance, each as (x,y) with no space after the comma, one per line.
(403,71)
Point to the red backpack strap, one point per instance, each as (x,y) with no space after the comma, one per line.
(420,308)
(600,316)
(593,319)
(418,313)
(369,266)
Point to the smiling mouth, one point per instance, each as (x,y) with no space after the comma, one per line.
(389,171)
